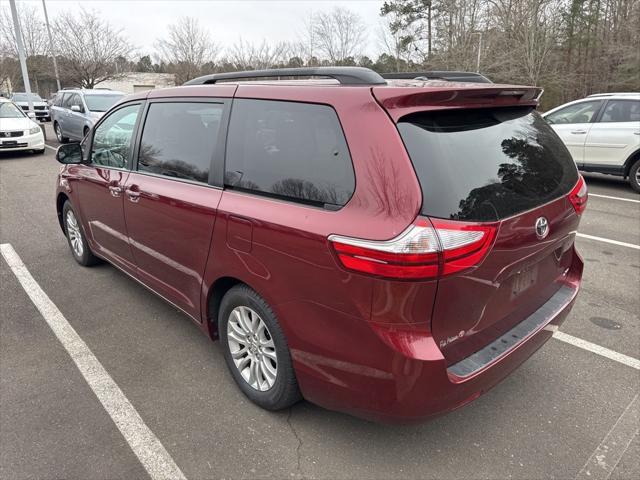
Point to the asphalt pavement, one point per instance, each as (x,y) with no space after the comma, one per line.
(569,412)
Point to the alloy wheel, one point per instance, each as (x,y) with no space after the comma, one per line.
(58,133)
(73,231)
(252,348)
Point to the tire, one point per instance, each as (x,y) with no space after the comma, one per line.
(61,138)
(634,176)
(85,132)
(268,348)
(76,238)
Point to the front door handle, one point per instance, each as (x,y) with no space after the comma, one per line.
(578,132)
(115,191)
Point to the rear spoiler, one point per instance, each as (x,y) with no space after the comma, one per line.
(400,101)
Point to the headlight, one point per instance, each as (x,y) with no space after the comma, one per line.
(34,130)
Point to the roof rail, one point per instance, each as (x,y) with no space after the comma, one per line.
(471,77)
(344,75)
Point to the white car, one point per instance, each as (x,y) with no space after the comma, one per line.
(17,131)
(602,132)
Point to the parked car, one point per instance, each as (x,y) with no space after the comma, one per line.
(75,111)
(40,107)
(387,249)
(18,132)
(602,132)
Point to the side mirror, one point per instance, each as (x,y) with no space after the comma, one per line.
(31,114)
(76,108)
(69,154)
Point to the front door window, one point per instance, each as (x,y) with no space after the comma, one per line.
(113,138)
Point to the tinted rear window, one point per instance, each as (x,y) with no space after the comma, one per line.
(486,164)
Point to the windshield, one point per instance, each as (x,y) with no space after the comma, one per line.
(101,103)
(486,164)
(9,110)
(24,97)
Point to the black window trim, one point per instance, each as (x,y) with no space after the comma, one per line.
(216,166)
(606,103)
(273,196)
(134,137)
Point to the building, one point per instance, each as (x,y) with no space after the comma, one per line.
(132,82)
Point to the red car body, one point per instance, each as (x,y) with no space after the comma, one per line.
(387,349)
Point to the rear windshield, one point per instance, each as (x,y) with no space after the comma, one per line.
(486,164)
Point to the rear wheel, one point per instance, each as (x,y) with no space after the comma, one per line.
(61,138)
(85,132)
(634,176)
(76,237)
(256,350)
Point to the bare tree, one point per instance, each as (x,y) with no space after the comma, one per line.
(34,33)
(187,49)
(89,47)
(339,35)
(249,56)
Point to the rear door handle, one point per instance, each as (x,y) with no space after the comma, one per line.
(115,191)
(133,195)
(578,132)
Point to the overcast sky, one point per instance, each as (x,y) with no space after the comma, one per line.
(143,21)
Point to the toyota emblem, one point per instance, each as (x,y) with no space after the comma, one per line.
(542,227)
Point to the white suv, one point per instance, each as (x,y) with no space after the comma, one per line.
(602,132)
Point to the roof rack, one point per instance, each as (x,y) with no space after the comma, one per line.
(617,94)
(471,77)
(344,75)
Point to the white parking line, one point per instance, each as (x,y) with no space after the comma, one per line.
(608,240)
(50,147)
(147,447)
(597,349)
(606,457)
(622,199)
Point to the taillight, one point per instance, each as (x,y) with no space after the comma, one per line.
(579,196)
(427,249)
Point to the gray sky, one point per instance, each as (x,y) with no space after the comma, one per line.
(143,21)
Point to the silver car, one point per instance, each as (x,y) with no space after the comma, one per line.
(74,112)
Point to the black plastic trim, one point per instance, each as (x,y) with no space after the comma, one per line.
(344,75)
(514,337)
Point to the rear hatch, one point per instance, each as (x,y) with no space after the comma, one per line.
(496,165)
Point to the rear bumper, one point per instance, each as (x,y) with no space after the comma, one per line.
(407,380)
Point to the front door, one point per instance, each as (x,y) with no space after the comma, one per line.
(170,203)
(572,124)
(100,185)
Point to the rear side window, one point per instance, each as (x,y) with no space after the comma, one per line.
(295,151)
(486,164)
(179,139)
(621,111)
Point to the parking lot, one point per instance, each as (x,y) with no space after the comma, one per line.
(571,411)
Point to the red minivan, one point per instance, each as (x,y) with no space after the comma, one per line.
(390,249)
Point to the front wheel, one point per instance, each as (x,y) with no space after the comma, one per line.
(634,176)
(256,350)
(61,138)
(76,237)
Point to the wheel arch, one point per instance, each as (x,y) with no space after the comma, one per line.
(60,201)
(216,293)
(630,161)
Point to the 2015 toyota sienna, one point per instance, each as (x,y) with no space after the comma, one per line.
(391,249)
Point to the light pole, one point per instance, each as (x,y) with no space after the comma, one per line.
(21,56)
(479,49)
(51,49)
